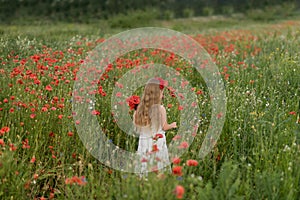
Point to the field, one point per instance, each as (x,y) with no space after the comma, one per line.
(257,155)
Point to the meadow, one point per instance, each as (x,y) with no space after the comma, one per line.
(256,157)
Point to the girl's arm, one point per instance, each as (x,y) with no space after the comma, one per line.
(165,125)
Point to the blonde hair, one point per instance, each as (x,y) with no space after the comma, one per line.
(148,111)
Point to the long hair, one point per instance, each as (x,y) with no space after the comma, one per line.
(148,111)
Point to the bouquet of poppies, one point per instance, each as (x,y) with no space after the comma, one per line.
(133,102)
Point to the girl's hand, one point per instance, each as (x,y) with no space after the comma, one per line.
(174,125)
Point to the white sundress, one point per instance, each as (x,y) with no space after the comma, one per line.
(152,159)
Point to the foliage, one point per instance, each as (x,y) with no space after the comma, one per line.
(272,12)
(89,10)
(133,19)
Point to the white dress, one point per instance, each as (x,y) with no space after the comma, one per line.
(152,151)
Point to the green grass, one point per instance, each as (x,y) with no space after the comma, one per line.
(256,157)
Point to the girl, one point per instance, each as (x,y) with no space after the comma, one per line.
(150,121)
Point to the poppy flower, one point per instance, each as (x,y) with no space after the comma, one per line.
(70,133)
(32,160)
(95,112)
(219,115)
(154,148)
(35,176)
(2,143)
(44,109)
(4,129)
(176,160)
(76,180)
(32,116)
(162,83)
(118,94)
(177,170)
(133,102)
(12,147)
(48,88)
(179,191)
(199,92)
(191,162)
(25,144)
(176,137)
(157,136)
(183,145)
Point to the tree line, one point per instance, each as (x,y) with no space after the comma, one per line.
(81,10)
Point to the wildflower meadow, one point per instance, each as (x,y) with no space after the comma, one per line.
(257,155)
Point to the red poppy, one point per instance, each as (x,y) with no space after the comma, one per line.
(77,180)
(162,83)
(32,160)
(51,196)
(183,145)
(70,134)
(176,160)
(176,137)
(179,191)
(192,162)
(4,129)
(95,112)
(157,136)
(25,144)
(35,176)
(118,94)
(180,107)
(12,147)
(219,115)
(177,170)
(199,92)
(32,116)
(2,143)
(48,87)
(133,102)
(44,109)
(155,148)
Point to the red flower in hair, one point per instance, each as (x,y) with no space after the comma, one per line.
(133,102)
(162,83)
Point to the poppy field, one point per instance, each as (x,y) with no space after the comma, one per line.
(257,155)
